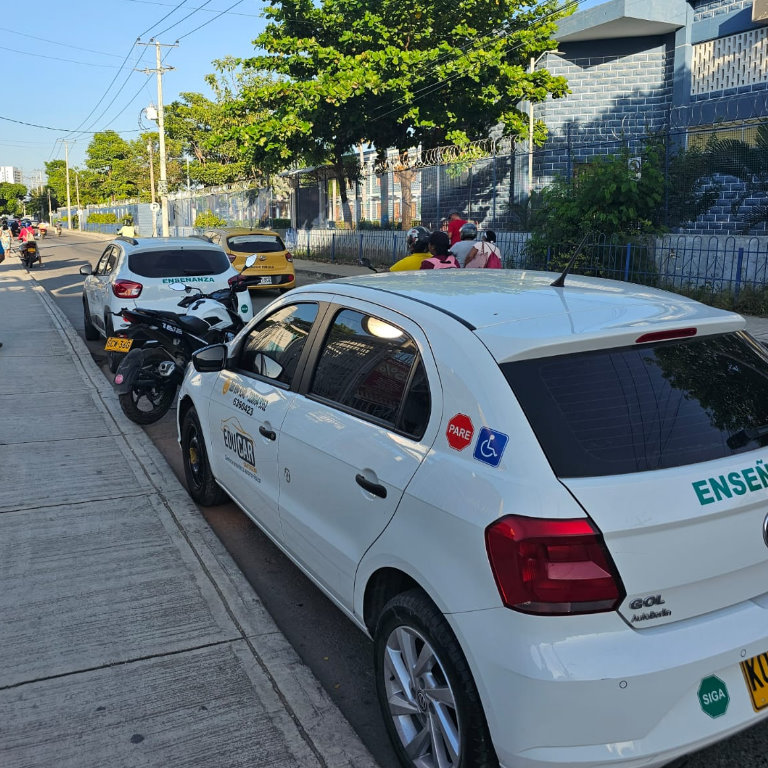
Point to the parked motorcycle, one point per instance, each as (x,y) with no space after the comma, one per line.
(29,254)
(148,376)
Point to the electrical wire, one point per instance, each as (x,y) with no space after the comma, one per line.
(204,24)
(58,58)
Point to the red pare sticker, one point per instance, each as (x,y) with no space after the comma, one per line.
(460,431)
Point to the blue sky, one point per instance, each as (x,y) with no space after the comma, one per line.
(72,67)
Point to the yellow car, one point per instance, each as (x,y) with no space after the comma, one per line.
(274,263)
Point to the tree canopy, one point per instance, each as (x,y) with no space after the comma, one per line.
(395,73)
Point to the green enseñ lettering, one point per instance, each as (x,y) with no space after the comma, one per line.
(749,479)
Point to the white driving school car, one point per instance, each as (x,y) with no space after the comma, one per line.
(548,506)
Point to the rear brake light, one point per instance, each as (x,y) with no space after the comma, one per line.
(231,257)
(126,289)
(677,333)
(552,567)
(288,256)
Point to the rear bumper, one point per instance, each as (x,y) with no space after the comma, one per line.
(605,694)
(276,281)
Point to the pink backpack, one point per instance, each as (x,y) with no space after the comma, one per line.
(494,262)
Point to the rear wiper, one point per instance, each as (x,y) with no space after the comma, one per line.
(744,436)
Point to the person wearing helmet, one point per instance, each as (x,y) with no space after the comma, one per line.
(460,250)
(416,241)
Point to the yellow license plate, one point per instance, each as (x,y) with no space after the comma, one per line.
(118,344)
(756,677)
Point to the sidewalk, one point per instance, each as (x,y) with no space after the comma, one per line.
(128,636)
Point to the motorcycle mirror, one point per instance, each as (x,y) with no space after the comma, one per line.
(178,287)
(250,261)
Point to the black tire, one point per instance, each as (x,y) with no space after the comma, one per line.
(91,331)
(411,619)
(200,480)
(146,403)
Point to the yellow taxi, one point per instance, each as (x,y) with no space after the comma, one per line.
(274,263)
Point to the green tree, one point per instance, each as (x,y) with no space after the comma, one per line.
(203,127)
(110,157)
(11,196)
(396,73)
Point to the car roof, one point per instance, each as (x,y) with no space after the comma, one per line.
(519,313)
(230,231)
(162,243)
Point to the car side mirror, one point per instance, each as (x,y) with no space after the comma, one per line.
(210,359)
(86,269)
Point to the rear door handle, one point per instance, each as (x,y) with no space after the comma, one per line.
(375,488)
(268,433)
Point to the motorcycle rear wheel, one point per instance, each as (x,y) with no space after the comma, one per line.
(152,395)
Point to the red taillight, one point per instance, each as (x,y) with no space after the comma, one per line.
(677,333)
(554,567)
(126,289)
(288,256)
(231,257)
(235,279)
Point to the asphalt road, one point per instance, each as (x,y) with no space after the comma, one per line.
(338,654)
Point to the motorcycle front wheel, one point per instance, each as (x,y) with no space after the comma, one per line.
(152,395)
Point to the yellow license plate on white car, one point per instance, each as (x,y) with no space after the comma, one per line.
(118,344)
(756,677)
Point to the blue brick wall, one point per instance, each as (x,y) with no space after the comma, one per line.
(620,90)
(708,9)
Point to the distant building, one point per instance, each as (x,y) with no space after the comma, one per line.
(689,69)
(10,175)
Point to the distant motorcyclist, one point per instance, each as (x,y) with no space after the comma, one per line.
(27,236)
(416,242)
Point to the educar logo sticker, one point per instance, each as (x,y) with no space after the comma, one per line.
(240,449)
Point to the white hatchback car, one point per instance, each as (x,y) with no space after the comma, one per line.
(135,272)
(548,506)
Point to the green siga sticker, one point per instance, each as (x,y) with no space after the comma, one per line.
(713,696)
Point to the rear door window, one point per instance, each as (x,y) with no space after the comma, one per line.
(641,408)
(178,262)
(373,368)
(255,244)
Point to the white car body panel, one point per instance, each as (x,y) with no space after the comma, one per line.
(576,690)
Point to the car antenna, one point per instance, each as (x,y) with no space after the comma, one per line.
(560,281)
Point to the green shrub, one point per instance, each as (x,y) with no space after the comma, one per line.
(209,219)
(100,218)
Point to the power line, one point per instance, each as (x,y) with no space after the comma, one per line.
(58,58)
(155,2)
(206,23)
(48,127)
(176,23)
(16,33)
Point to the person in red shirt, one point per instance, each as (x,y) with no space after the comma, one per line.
(455,223)
(27,235)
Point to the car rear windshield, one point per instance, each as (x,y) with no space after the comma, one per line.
(255,244)
(177,263)
(640,408)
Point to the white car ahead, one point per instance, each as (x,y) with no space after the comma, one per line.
(135,272)
(548,506)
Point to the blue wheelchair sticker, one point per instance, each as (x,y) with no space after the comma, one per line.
(490,446)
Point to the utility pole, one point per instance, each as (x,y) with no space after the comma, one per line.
(69,202)
(163,185)
(77,194)
(152,187)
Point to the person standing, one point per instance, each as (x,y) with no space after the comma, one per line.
(440,257)
(6,238)
(467,235)
(485,254)
(455,223)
